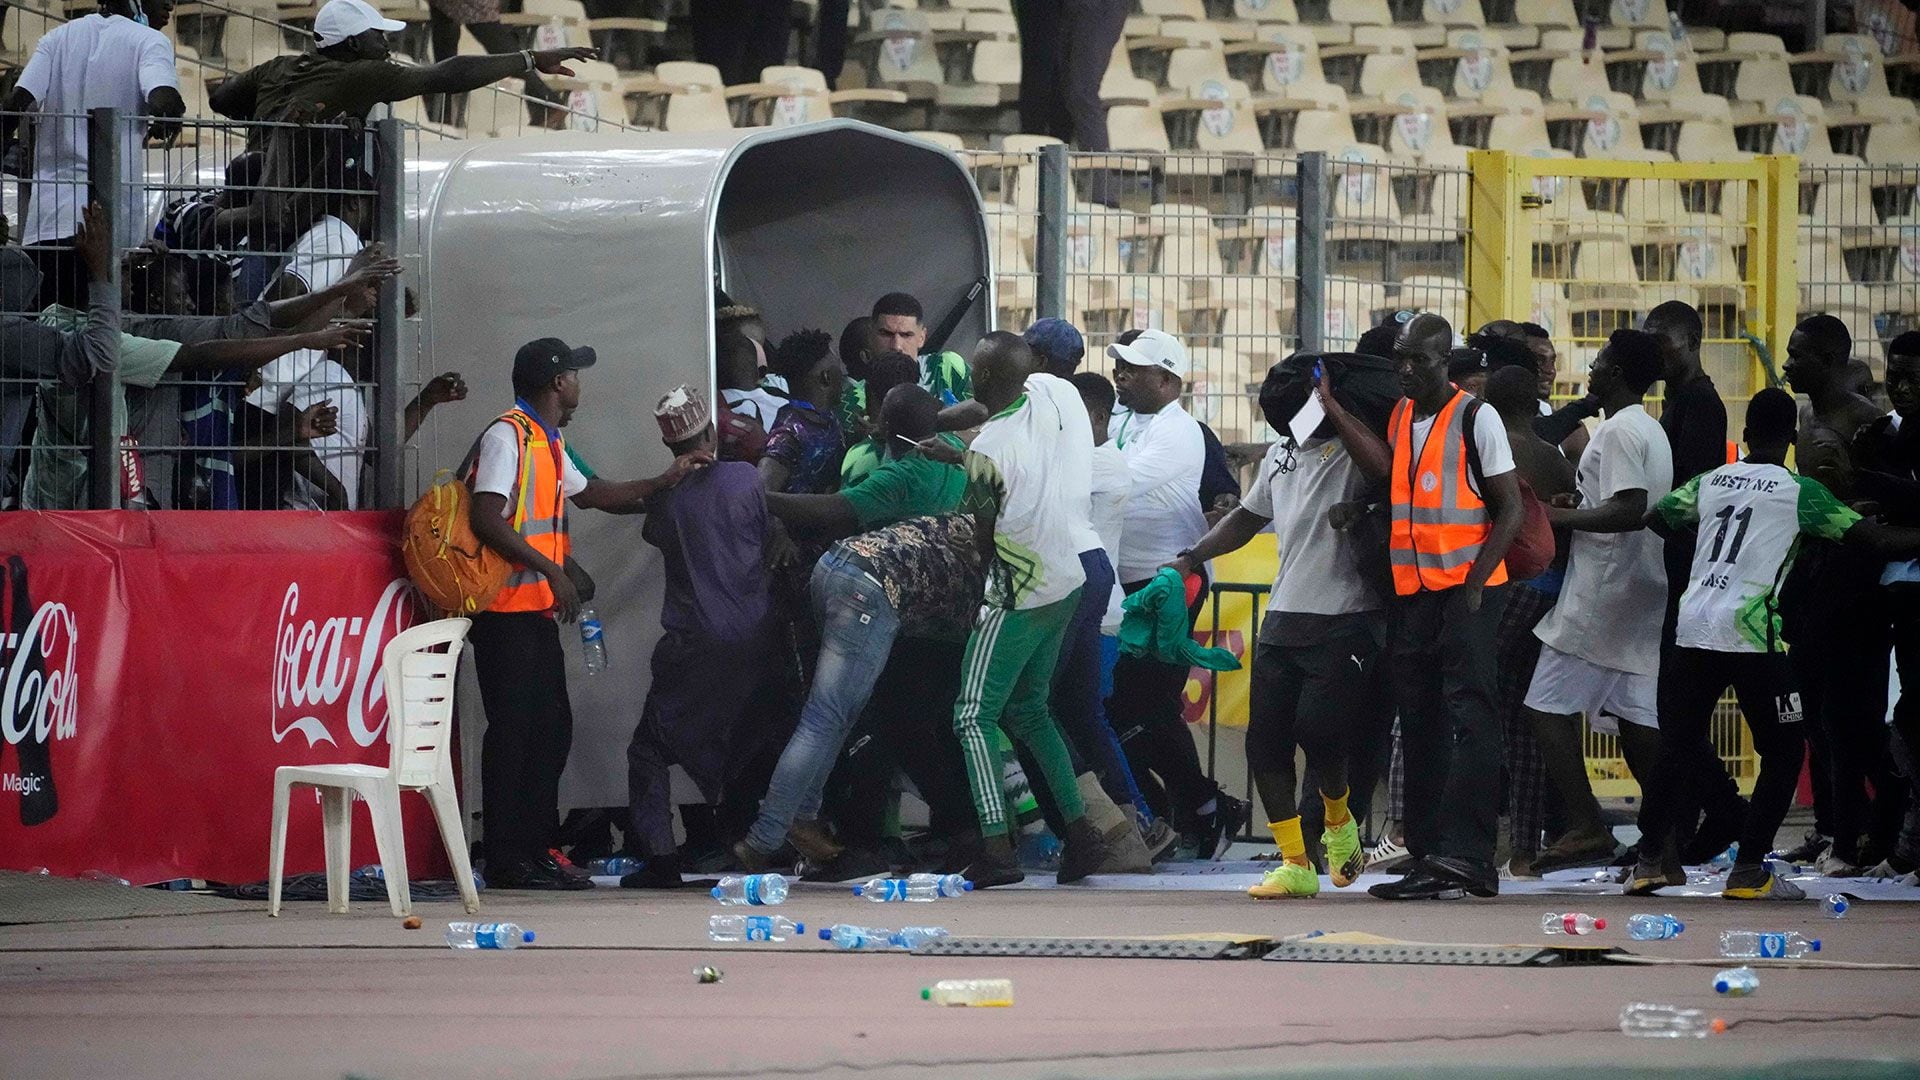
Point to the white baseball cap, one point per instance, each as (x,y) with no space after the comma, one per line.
(1153,348)
(339,20)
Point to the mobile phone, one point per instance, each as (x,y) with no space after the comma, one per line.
(1319,372)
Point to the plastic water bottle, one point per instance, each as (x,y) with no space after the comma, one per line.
(615,866)
(593,641)
(1570,923)
(1835,906)
(857,937)
(487,935)
(919,888)
(1646,1021)
(756,889)
(1736,982)
(1654,927)
(1745,943)
(912,937)
(753,928)
(989,993)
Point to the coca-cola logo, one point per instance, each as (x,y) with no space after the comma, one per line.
(316,661)
(39,678)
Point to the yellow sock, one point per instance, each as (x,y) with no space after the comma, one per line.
(1293,846)
(1337,814)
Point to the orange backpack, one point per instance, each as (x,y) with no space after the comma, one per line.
(447,562)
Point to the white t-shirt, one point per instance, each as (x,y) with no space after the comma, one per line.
(1489,435)
(498,468)
(1166,453)
(319,259)
(1112,483)
(340,452)
(94,62)
(1319,565)
(1076,453)
(1013,467)
(1615,597)
(757,403)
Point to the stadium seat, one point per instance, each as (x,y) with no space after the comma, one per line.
(1351,303)
(1265,11)
(1423,128)
(1670,73)
(680,95)
(420,692)
(1295,64)
(1638,14)
(1190,66)
(1392,67)
(1859,69)
(1442,296)
(1184,245)
(1120,86)
(1893,137)
(1523,127)
(1472,65)
(982,74)
(1361,185)
(1616,130)
(899,53)
(1330,130)
(785,96)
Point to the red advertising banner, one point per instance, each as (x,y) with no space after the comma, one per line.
(156,667)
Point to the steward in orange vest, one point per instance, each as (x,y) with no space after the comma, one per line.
(522,480)
(1445,544)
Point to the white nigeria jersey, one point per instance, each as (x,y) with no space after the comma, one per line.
(1751,518)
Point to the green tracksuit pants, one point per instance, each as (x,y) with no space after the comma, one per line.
(1006,679)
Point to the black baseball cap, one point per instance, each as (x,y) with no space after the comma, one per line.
(543,358)
(1465,361)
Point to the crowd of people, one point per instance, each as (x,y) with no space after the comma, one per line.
(980,574)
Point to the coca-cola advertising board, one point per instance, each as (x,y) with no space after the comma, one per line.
(156,667)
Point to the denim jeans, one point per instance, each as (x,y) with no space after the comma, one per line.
(857,628)
(1079,705)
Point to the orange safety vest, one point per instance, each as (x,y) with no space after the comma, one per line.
(539,514)
(1439,522)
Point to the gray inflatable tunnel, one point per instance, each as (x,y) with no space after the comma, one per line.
(616,241)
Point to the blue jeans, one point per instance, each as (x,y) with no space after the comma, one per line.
(857,628)
(1080,683)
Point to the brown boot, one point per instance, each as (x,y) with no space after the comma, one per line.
(995,864)
(812,840)
(1087,853)
(1127,851)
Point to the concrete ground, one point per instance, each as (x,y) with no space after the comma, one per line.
(609,990)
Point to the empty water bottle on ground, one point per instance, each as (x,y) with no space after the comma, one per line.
(845,936)
(1744,943)
(615,866)
(753,928)
(1572,922)
(912,937)
(487,935)
(976,992)
(593,641)
(1736,982)
(1654,927)
(920,888)
(1835,906)
(755,889)
(1646,1021)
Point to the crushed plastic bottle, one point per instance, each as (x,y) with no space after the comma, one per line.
(755,889)
(1654,927)
(1835,906)
(487,935)
(919,888)
(614,866)
(753,928)
(1643,1020)
(980,993)
(1754,943)
(846,936)
(1736,982)
(1570,923)
(593,641)
(912,937)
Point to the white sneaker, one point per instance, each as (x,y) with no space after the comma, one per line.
(1385,855)
(1884,871)
(1831,865)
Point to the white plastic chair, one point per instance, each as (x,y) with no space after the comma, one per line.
(419,686)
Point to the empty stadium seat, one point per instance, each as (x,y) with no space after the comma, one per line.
(680,95)
(1442,296)
(985,74)
(899,53)
(1523,127)
(1859,69)
(1671,73)
(785,96)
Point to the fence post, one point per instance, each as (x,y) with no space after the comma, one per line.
(1499,239)
(389,435)
(1050,240)
(104,188)
(1310,241)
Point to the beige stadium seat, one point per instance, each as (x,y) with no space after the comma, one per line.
(945,140)
(900,53)
(1472,66)
(1295,66)
(1616,133)
(786,96)
(1639,14)
(1009,238)
(1190,66)
(1120,86)
(1523,127)
(1671,73)
(1266,11)
(1549,309)
(1189,10)
(1893,142)
(1423,128)
(1800,127)
(1139,128)
(990,73)
(1392,67)
(1361,186)
(1216,118)
(1859,68)
(1442,296)
(1330,130)
(679,96)
(1453,14)
(1350,307)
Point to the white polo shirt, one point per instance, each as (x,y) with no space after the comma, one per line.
(1165,452)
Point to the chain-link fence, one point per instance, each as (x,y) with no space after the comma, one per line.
(1859,254)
